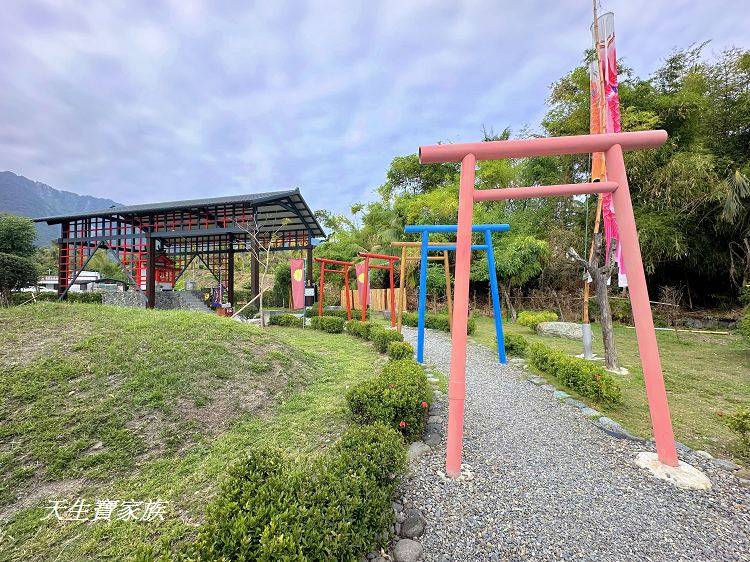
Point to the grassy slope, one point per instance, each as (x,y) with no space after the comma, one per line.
(150,396)
(704,374)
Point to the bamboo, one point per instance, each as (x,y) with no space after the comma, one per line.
(602,117)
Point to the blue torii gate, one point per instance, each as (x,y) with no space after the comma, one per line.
(424,230)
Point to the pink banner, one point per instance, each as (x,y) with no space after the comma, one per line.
(298,282)
(362,287)
(604,39)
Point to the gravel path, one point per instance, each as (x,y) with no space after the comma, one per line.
(549,485)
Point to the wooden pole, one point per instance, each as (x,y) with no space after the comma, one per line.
(401,283)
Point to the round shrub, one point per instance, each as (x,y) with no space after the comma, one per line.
(384,337)
(372,330)
(515,344)
(330,324)
(356,328)
(400,350)
(376,448)
(398,397)
(286,320)
(530,319)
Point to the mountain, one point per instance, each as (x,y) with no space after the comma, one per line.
(22,196)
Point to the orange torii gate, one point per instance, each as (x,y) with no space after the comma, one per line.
(346,266)
(391,259)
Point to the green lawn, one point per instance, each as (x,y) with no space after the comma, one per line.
(125,404)
(704,373)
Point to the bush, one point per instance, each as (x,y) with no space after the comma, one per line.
(435,322)
(356,328)
(50,296)
(515,344)
(286,320)
(331,507)
(398,397)
(313,311)
(376,448)
(743,328)
(530,319)
(586,378)
(400,350)
(384,337)
(739,422)
(745,295)
(330,324)
(372,329)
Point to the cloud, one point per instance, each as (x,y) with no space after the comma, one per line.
(144,101)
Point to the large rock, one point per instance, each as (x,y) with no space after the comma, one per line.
(416,449)
(569,330)
(414,525)
(407,550)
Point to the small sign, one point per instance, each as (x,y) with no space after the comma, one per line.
(309,291)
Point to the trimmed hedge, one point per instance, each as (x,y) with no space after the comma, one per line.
(530,318)
(585,377)
(334,506)
(400,350)
(356,328)
(330,324)
(49,296)
(435,322)
(399,398)
(313,311)
(384,337)
(286,320)
(516,344)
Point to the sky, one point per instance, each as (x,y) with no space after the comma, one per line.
(146,101)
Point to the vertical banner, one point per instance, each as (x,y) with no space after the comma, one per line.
(603,32)
(363,289)
(298,282)
(595,127)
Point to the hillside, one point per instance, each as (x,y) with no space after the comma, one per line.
(28,198)
(132,404)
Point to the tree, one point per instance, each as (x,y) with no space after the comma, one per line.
(17,235)
(599,277)
(16,272)
(519,260)
(262,238)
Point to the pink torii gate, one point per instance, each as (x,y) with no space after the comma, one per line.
(612,144)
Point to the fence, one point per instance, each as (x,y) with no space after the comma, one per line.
(379,299)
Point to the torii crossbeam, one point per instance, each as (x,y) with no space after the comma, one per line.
(612,145)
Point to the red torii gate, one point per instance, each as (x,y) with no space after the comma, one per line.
(391,260)
(346,265)
(612,144)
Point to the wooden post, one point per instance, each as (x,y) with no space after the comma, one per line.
(230,271)
(151,272)
(401,283)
